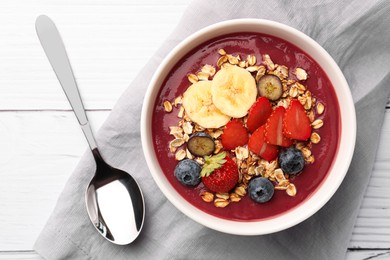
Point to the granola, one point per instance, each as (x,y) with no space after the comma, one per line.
(250,165)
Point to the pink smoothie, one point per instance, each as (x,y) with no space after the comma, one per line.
(281,52)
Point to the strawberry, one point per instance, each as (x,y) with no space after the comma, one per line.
(258,113)
(234,134)
(258,145)
(296,122)
(219,173)
(274,129)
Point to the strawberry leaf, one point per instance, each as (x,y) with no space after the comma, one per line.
(212,163)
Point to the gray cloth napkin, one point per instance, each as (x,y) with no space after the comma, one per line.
(355,33)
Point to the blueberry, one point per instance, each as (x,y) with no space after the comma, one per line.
(291,161)
(261,189)
(201,144)
(188,172)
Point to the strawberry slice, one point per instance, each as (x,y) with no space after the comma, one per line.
(296,122)
(258,114)
(258,145)
(274,129)
(234,134)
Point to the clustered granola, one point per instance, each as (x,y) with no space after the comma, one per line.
(249,163)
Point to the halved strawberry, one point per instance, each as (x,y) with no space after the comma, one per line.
(258,114)
(219,173)
(296,123)
(234,134)
(258,145)
(274,129)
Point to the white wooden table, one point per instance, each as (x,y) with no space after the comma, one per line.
(40,141)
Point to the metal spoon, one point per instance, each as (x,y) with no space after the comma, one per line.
(114,200)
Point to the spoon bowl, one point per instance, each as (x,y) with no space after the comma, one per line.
(114,203)
(114,200)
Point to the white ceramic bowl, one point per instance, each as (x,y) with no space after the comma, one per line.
(342,159)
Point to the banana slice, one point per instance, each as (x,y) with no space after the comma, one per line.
(234,91)
(199,106)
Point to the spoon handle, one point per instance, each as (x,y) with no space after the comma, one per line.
(55,51)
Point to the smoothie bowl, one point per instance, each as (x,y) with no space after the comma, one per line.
(248,127)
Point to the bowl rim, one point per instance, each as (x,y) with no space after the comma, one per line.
(346,146)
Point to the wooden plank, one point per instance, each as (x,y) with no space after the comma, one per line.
(372,228)
(107,44)
(23,255)
(351,255)
(41,151)
(44,147)
(368,254)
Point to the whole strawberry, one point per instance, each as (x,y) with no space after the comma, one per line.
(219,173)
